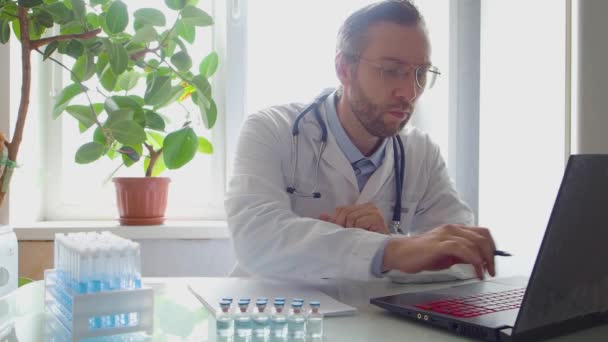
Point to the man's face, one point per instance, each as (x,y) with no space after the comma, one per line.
(382,100)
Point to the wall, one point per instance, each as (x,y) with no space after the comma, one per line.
(160,258)
(590,72)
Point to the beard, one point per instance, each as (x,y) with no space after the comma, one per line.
(371,115)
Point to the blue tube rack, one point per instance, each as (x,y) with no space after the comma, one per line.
(84,317)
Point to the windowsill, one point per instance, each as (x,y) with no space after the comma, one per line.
(188,230)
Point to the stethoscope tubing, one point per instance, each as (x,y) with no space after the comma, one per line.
(398,155)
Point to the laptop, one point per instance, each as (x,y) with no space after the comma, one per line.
(568,287)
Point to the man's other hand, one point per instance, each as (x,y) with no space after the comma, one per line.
(365,216)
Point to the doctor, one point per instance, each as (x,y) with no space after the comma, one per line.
(341,187)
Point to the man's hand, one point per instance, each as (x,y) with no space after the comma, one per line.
(365,216)
(441,248)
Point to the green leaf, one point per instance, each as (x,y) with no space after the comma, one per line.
(16,29)
(29,3)
(72,27)
(155,139)
(154,121)
(94,46)
(131,154)
(182,61)
(146,34)
(84,68)
(117,18)
(118,115)
(103,24)
(24,281)
(175,93)
(157,90)
(187,32)
(204,146)
(93,20)
(98,2)
(67,94)
(112,150)
(99,137)
(5,31)
(164,71)
(102,63)
(108,79)
(138,99)
(128,132)
(84,114)
(195,16)
(89,153)
(202,85)
(208,114)
(50,48)
(150,16)
(44,18)
(79,9)
(209,65)
(119,58)
(128,80)
(115,103)
(60,12)
(180,147)
(36,30)
(175,4)
(75,48)
(158,168)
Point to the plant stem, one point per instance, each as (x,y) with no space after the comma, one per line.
(34,44)
(26,80)
(139,54)
(154,155)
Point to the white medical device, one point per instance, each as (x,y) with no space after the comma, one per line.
(8,260)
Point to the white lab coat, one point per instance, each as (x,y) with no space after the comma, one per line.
(278,235)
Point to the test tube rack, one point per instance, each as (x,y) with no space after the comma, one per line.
(71,313)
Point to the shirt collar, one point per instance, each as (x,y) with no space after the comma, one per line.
(346,145)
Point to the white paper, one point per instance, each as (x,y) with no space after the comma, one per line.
(211,290)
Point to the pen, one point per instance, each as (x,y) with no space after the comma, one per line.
(501,253)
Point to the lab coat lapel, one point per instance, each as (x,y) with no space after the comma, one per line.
(333,155)
(380,176)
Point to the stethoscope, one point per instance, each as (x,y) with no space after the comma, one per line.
(398,155)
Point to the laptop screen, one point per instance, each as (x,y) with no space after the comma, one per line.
(570,276)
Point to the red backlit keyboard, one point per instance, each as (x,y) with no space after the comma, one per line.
(477,305)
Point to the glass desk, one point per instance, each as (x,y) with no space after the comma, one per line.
(179,316)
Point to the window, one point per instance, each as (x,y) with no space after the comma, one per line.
(290,57)
(276,51)
(243,31)
(522,109)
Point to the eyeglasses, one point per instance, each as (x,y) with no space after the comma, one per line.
(393,73)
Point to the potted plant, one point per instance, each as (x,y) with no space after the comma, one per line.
(121,83)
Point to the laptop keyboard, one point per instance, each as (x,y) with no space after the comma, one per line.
(477,305)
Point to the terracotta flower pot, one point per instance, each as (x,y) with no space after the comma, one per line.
(141,200)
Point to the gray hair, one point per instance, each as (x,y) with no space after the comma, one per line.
(351,37)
